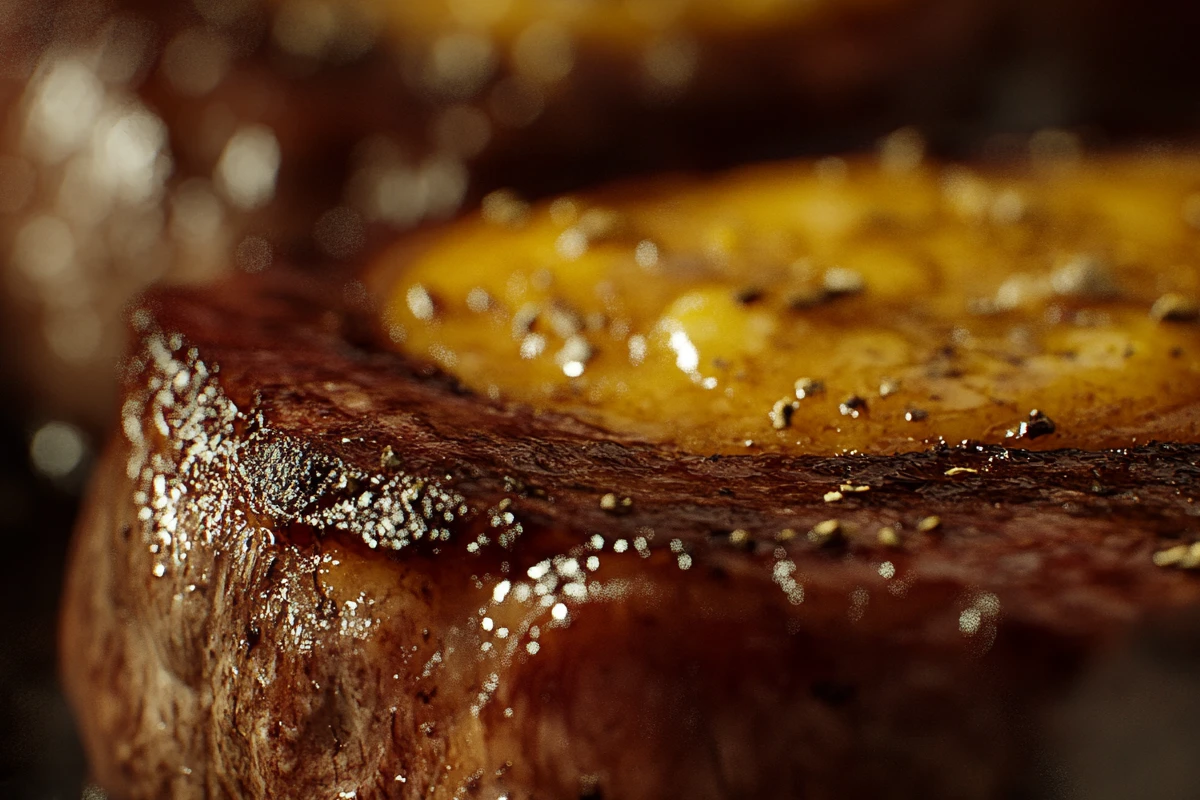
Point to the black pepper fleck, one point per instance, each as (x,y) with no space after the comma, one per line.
(1173,307)
(807,387)
(749,295)
(1037,425)
(781,413)
(853,406)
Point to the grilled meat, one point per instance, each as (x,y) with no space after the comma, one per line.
(323,558)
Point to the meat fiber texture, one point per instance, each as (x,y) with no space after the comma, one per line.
(312,568)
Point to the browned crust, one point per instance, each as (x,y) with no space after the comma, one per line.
(1144,494)
(713,679)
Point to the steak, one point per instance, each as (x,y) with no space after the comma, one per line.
(314,562)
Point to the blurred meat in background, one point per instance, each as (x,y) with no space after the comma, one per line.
(175,143)
(179,141)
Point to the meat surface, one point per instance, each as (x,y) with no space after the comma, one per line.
(314,567)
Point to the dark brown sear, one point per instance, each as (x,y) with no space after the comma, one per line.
(309,563)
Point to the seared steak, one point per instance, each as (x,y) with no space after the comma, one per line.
(315,565)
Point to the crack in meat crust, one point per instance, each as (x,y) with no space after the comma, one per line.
(308,563)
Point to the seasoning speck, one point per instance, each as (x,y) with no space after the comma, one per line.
(611,503)
(420,303)
(916,415)
(388,459)
(524,319)
(781,413)
(1172,307)
(785,535)
(888,537)
(853,406)
(929,524)
(576,352)
(739,538)
(1182,556)
(840,281)
(826,533)
(1084,276)
(807,387)
(749,295)
(1171,556)
(1037,425)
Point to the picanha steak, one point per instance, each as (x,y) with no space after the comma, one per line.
(821,480)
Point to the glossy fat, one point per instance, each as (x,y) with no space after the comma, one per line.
(831,307)
(596,613)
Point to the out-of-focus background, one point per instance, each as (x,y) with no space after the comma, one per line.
(182,141)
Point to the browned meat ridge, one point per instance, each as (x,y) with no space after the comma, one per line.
(311,566)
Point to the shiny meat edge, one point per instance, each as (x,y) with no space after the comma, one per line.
(1000,584)
(289,355)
